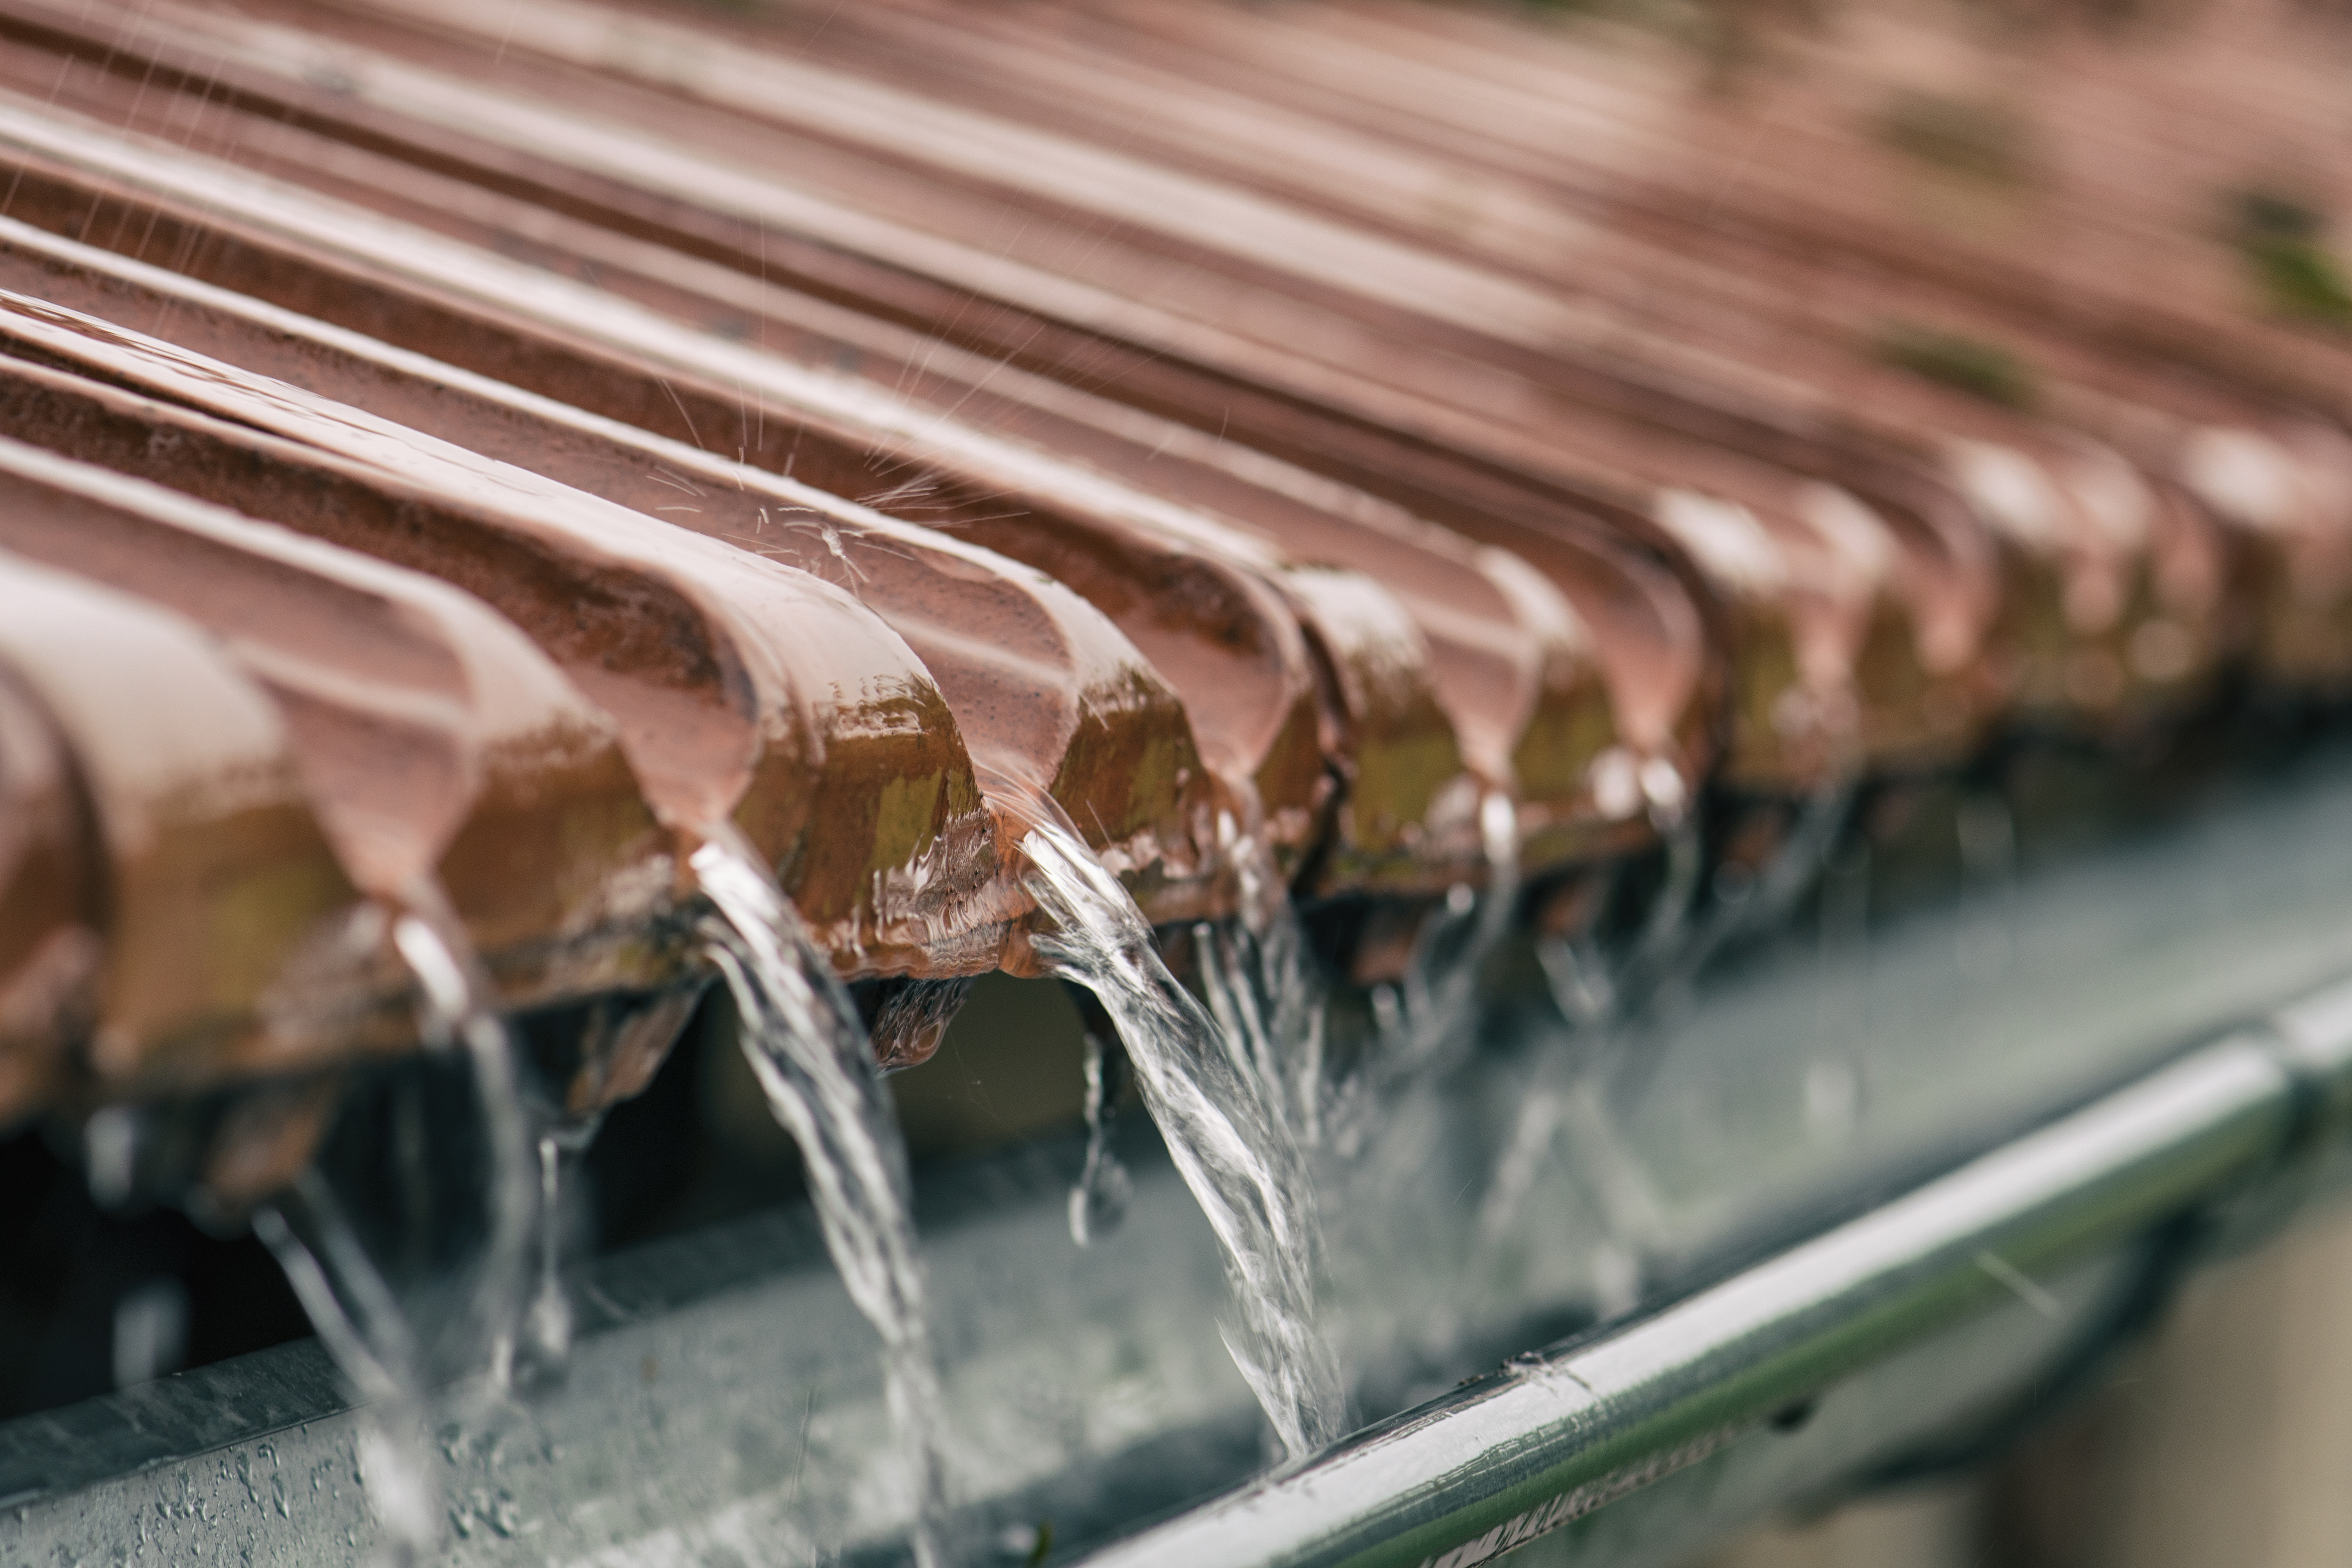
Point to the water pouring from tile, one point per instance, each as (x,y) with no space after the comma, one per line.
(455,1011)
(363,1320)
(1239,1160)
(803,1038)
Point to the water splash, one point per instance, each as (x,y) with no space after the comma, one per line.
(1099,1202)
(801,1036)
(1238,1158)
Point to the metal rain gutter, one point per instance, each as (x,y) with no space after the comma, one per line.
(1552,1437)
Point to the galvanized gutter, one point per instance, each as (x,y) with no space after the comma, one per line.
(1553,1437)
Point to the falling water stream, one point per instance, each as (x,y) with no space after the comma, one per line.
(1235,1155)
(547,1325)
(361,1323)
(803,1038)
(1267,993)
(1601,995)
(456,1011)
(360,1318)
(1605,998)
(1098,1200)
(1426,1022)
